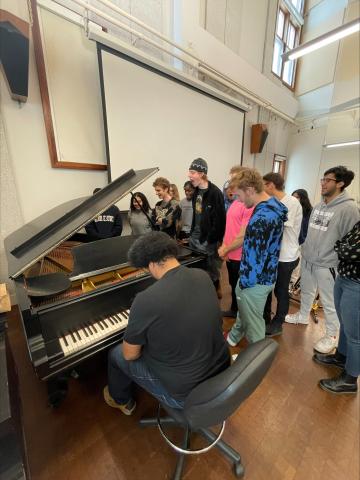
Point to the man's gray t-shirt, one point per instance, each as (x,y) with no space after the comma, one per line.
(178,322)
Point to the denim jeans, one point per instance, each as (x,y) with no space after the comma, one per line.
(123,373)
(347,304)
(281,292)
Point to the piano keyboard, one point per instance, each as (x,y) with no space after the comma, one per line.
(90,333)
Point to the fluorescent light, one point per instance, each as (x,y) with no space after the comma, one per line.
(319,42)
(342,144)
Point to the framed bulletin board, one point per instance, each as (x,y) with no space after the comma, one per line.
(70,90)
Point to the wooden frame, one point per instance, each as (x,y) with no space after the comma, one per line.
(45,100)
(298,31)
(281,160)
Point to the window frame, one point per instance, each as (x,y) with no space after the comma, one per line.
(289,22)
(281,161)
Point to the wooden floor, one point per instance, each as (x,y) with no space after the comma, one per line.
(289,429)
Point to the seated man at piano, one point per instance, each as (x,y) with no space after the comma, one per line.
(106,225)
(174,338)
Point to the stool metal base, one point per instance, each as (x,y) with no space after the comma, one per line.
(184,450)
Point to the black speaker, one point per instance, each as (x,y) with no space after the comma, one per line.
(14,54)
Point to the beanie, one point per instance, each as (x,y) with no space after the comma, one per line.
(199,165)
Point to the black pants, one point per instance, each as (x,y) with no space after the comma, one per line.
(233,272)
(281,291)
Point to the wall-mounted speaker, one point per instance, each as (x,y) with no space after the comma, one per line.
(259,134)
(14,54)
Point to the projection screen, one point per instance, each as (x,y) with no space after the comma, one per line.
(154,120)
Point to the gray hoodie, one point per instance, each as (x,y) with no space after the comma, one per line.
(328,223)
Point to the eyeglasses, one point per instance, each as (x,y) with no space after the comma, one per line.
(327,180)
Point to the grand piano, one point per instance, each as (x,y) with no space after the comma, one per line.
(74,298)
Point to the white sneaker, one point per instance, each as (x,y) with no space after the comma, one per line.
(296,318)
(326,344)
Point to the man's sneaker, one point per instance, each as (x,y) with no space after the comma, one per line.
(229,341)
(330,360)
(342,384)
(297,319)
(127,408)
(326,344)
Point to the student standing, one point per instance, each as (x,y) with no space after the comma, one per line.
(289,253)
(330,220)
(167,210)
(106,225)
(140,214)
(208,225)
(186,212)
(347,304)
(260,256)
(237,218)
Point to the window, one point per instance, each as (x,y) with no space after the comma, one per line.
(298,4)
(287,35)
(279,165)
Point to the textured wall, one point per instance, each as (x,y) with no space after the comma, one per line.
(10,212)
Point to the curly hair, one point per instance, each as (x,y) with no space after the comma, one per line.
(249,177)
(154,247)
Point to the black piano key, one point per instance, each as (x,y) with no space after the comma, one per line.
(115,318)
(111,321)
(83,326)
(100,325)
(77,334)
(93,328)
(63,335)
(123,314)
(72,336)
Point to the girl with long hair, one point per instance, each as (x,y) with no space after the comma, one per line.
(139,222)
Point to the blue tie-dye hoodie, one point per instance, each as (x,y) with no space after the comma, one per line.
(262,242)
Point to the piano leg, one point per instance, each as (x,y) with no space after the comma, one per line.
(57,389)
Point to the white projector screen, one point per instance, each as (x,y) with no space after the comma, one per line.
(152,120)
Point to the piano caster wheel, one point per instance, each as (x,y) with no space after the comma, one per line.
(57,390)
(239,470)
(56,398)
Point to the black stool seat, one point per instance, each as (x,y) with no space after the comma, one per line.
(213,401)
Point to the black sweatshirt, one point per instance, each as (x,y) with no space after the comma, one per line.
(213,216)
(106,225)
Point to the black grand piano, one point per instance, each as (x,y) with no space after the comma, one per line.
(74,298)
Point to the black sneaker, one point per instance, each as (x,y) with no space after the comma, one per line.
(273,330)
(340,384)
(330,360)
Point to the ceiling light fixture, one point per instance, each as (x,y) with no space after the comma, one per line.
(319,42)
(342,144)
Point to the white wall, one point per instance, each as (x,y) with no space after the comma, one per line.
(328,84)
(215,52)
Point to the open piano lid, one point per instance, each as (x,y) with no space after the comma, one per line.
(33,241)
